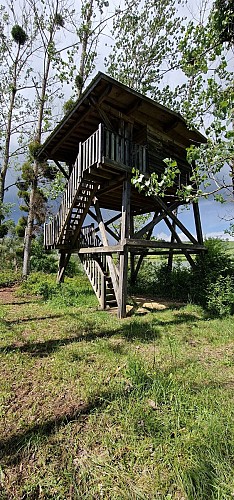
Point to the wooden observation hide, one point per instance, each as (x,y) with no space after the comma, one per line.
(110,130)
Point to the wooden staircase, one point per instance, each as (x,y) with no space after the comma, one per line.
(65,232)
(96,268)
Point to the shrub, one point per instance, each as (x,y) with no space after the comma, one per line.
(220,297)
(40,260)
(9,278)
(210,284)
(75,291)
(211,268)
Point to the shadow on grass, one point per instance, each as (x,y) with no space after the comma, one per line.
(14,447)
(43,349)
(19,302)
(130,331)
(212,467)
(32,318)
(181,318)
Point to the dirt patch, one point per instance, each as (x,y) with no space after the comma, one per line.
(144,304)
(7,295)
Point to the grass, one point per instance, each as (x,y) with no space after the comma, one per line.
(96,408)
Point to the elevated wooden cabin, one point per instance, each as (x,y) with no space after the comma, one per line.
(110,130)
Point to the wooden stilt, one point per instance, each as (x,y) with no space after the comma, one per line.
(63,261)
(198,225)
(170,256)
(125,231)
(132,255)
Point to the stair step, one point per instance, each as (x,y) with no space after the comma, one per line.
(111,303)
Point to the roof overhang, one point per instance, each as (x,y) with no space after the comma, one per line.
(103,95)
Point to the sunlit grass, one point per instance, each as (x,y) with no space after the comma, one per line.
(93,407)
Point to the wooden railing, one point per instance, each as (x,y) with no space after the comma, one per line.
(89,238)
(124,151)
(102,145)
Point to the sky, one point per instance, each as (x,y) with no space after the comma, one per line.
(214,215)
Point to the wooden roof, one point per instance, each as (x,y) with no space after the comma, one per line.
(105,94)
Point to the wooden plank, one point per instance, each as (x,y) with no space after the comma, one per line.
(160,244)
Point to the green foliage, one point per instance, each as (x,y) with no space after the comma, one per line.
(158,184)
(11,253)
(20,226)
(214,266)
(33,148)
(75,291)
(59,21)
(68,105)
(220,296)
(9,277)
(40,260)
(18,34)
(224,20)
(107,412)
(3,230)
(156,280)
(210,284)
(198,48)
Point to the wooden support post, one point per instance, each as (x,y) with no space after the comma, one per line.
(63,261)
(132,256)
(198,225)
(123,264)
(170,255)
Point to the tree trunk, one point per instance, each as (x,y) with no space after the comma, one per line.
(28,235)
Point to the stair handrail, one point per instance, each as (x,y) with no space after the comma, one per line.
(96,277)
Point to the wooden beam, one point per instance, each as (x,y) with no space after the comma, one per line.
(141,257)
(109,250)
(111,186)
(117,114)
(154,221)
(159,244)
(63,262)
(169,212)
(171,125)
(198,225)
(132,256)
(123,258)
(177,238)
(101,113)
(170,256)
(109,231)
(62,169)
(71,129)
